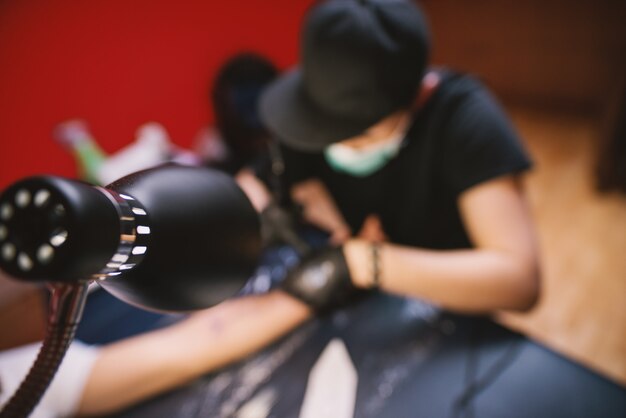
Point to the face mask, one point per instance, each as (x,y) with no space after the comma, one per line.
(362,162)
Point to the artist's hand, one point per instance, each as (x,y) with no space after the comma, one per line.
(319,209)
(322,281)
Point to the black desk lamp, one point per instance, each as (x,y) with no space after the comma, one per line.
(171,238)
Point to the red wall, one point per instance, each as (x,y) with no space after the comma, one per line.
(119,64)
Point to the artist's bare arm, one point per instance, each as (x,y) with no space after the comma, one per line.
(137,368)
(501,272)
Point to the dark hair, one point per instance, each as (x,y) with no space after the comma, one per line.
(234,95)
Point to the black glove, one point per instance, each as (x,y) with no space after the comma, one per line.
(278,226)
(322,281)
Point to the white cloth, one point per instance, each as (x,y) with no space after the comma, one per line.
(332,384)
(65,391)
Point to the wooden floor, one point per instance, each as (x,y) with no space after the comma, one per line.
(582,311)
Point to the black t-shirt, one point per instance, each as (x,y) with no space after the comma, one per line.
(458,139)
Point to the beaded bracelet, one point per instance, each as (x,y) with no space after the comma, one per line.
(375,247)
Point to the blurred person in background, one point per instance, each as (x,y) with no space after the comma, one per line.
(238,137)
(611,163)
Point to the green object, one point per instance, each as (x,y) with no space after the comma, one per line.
(89,158)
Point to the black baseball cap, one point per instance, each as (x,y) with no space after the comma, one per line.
(360,61)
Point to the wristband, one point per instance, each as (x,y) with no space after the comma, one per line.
(375,247)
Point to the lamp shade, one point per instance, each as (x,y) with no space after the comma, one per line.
(170,238)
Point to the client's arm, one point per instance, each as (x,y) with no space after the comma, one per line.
(132,370)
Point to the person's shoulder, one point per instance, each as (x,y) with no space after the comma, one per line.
(454,98)
(465,97)
(455,84)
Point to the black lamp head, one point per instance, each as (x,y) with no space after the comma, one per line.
(169,238)
(55,229)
